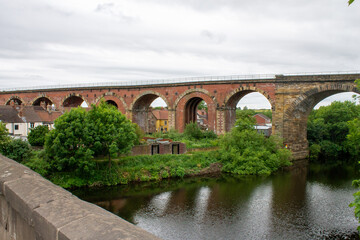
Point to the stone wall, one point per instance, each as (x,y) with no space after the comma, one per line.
(32,208)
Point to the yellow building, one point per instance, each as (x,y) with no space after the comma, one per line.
(162,123)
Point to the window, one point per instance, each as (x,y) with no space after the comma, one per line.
(165,123)
(16,127)
(32,125)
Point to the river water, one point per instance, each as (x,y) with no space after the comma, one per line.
(305,203)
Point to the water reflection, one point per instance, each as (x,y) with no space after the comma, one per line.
(300,204)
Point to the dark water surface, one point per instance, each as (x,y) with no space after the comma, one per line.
(306,203)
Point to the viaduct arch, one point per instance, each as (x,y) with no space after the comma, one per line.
(140,108)
(292,97)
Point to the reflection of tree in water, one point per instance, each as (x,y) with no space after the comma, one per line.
(181,200)
(288,202)
(231,193)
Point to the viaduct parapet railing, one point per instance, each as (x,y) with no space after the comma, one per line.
(185,80)
(32,208)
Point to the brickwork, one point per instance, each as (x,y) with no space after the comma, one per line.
(164,148)
(291,98)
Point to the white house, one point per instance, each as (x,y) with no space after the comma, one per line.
(15,125)
(21,119)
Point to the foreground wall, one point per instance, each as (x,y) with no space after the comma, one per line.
(31,207)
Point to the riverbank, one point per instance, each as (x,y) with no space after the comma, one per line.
(146,168)
(143,168)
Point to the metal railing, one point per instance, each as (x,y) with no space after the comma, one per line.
(170,81)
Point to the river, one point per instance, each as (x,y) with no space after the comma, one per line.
(306,203)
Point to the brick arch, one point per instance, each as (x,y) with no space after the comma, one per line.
(141,95)
(121,105)
(15,98)
(189,91)
(194,97)
(74,95)
(306,102)
(140,109)
(234,97)
(42,96)
(295,117)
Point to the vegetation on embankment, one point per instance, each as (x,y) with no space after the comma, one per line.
(331,132)
(193,137)
(87,149)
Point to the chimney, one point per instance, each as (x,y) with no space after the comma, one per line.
(43,105)
(20,110)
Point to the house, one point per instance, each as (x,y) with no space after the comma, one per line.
(261,119)
(15,125)
(21,119)
(202,119)
(263,124)
(162,119)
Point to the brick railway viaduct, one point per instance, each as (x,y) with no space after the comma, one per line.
(292,97)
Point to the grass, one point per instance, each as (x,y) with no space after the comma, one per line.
(142,168)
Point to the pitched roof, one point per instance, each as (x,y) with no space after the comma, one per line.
(161,114)
(30,114)
(9,114)
(48,117)
(263,116)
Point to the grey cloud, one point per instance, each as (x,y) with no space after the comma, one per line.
(277,36)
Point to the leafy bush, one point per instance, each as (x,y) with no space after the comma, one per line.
(38,162)
(193,131)
(244,151)
(328,128)
(79,136)
(37,135)
(17,150)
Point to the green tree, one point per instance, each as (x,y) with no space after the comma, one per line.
(79,136)
(193,131)
(202,105)
(245,113)
(67,144)
(17,150)
(109,132)
(37,135)
(4,135)
(353,139)
(328,127)
(244,151)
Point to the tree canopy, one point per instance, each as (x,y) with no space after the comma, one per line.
(245,151)
(37,135)
(79,136)
(328,128)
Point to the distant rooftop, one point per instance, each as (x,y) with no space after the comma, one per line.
(173,81)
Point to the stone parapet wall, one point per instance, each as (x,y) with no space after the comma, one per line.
(31,207)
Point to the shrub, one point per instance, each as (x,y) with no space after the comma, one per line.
(17,150)
(244,151)
(37,135)
(193,131)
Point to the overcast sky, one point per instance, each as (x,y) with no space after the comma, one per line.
(45,42)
